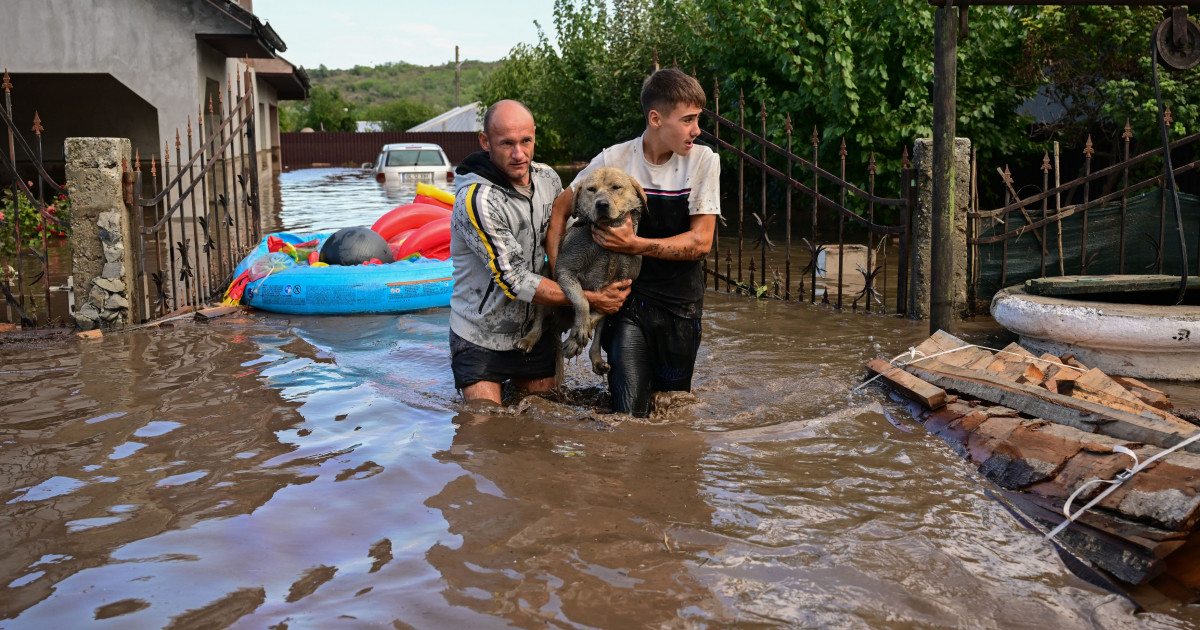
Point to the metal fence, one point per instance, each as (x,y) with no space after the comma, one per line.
(876,272)
(337,148)
(195,225)
(29,218)
(1112,220)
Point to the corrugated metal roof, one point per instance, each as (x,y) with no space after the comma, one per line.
(465,118)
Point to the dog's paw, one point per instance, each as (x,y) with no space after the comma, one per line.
(571,348)
(525,344)
(601,367)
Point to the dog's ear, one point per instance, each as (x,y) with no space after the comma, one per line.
(641,195)
(577,201)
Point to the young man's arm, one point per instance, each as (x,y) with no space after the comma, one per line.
(693,244)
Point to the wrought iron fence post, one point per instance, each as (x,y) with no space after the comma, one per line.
(1087,193)
(251,130)
(908,191)
(763,196)
(816,142)
(842,228)
(741,178)
(37,131)
(787,239)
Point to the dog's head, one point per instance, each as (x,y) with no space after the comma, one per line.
(607,196)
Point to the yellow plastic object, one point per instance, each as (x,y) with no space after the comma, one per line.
(319,264)
(435,192)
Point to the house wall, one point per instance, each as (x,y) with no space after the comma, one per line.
(145,45)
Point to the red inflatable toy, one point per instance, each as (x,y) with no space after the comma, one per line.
(408,217)
(431,240)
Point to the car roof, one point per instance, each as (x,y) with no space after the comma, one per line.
(410,145)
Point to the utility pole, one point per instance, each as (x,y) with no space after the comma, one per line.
(457,68)
(941,251)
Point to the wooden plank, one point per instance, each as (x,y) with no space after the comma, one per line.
(1080,414)
(910,386)
(942,341)
(1106,284)
(207,314)
(1032,375)
(1154,397)
(1123,558)
(1096,386)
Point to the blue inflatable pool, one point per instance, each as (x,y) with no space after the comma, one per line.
(399,287)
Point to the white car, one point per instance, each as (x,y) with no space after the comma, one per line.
(412,163)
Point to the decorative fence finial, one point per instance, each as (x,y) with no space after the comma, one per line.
(1087,147)
(37,124)
(1046,168)
(7,82)
(1128,131)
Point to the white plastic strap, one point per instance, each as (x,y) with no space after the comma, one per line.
(1116,482)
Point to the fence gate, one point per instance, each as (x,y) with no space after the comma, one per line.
(838,271)
(1116,219)
(28,220)
(196,222)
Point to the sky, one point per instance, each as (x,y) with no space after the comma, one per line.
(372,32)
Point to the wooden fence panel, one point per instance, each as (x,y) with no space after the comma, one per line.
(348,148)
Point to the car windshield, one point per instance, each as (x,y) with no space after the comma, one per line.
(414,157)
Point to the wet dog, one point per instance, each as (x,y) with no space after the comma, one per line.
(607,197)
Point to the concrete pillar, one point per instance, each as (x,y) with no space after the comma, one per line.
(922,222)
(103,244)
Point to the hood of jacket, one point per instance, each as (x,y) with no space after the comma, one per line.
(478,168)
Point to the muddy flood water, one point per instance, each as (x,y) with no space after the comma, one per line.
(265,471)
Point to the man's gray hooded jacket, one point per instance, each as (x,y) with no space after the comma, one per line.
(497,241)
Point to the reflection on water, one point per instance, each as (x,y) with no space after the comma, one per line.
(314,472)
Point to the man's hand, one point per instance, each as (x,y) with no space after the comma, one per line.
(621,239)
(610,297)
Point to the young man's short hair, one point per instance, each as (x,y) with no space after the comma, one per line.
(669,88)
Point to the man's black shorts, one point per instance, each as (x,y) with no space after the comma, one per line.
(473,363)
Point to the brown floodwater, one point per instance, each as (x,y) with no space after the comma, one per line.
(265,471)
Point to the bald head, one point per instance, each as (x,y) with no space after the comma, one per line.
(505,110)
(508,138)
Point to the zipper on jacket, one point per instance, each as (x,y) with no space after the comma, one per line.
(486,294)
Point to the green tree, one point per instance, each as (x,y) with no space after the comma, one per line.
(399,115)
(583,88)
(326,110)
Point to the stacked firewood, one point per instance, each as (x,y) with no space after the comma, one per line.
(1041,426)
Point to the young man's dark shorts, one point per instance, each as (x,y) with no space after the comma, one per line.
(650,349)
(473,363)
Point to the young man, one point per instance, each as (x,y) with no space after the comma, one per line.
(501,211)
(652,341)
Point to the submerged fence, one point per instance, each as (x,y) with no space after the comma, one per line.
(1116,219)
(348,148)
(29,218)
(865,267)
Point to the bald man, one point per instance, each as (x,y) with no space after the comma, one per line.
(502,205)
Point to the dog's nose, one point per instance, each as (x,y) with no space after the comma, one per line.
(602,204)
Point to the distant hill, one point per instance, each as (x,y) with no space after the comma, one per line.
(432,86)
